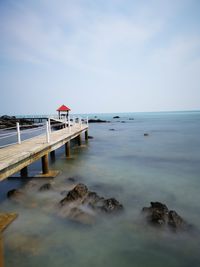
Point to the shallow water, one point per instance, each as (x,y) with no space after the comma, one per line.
(134,169)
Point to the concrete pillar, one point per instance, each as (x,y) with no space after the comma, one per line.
(67,149)
(79,139)
(45,165)
(86,135)
(53,155)
(24,172)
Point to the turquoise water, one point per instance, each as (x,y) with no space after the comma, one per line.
(164,166)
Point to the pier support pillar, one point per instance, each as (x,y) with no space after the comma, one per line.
(79,139)
(86,135)
(67,149)
(45,165)
(53,155)
(24,172)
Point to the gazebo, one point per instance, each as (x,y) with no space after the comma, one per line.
(63,111)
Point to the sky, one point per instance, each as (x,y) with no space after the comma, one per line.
(99,56)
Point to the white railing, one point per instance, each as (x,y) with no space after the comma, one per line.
(17,134)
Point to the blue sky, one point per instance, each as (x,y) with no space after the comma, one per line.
(99,56)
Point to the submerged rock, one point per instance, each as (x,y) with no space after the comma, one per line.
(112,129)
(80,216)
(159,214)
(15,194)
(116,117)
(146,134)
(45,187)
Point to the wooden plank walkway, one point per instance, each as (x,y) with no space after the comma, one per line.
(16,157)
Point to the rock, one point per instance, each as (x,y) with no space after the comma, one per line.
(174,220)
(90,137)
(16,195)
(45,187)
(111,129)
(10,121)
(93,199)
(159,214)
(116,117)
(122,121)
(131,119)
(96,121)
(78,192)
(13,193)
(146,134)
(111,205)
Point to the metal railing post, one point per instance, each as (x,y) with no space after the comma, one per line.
(18,133)
(69,126)
(47,132)
(87,121)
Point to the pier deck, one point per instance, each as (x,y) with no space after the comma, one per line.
(16,157)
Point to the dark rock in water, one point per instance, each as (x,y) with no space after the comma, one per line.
(78,192)
(96,121)
(112,129)
(45,187)
(131,119)
(160,206)
(15,195)
(174,220)
(111,205)
(98,203)
(122,121)
(90,137)
(159,214)
(116,117)
(146,134)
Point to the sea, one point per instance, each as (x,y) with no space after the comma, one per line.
(122,163)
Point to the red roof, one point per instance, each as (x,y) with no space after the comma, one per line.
(63,108)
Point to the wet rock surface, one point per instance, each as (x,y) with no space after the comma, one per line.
(159,214)
(79,191)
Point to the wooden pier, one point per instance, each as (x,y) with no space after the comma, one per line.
(17,157)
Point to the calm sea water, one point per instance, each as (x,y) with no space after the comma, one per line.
(165,167)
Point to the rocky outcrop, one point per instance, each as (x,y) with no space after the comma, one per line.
(97,121)
(159,214)
(10,121)
(92,200)
(78,192)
